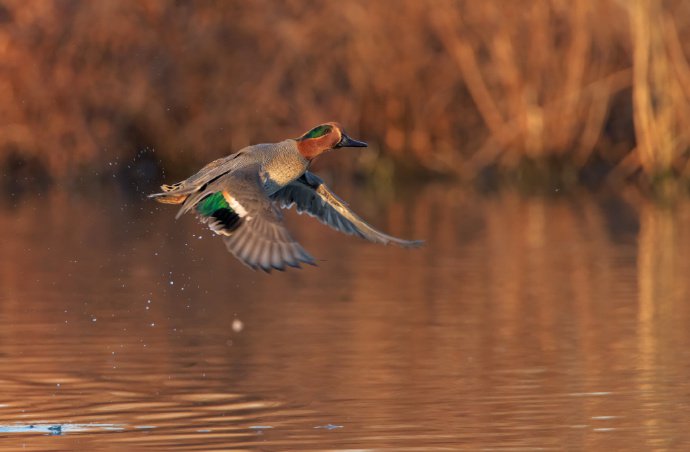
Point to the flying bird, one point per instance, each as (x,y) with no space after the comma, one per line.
(240,196)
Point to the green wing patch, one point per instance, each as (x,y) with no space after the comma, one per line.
(211,203)
(221,218)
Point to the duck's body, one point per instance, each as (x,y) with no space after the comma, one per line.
(238,196)
(281,162)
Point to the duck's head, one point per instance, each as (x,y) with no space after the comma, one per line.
(323,138)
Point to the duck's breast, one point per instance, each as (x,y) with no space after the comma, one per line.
(283,163)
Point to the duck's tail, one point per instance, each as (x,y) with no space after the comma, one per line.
(170,195)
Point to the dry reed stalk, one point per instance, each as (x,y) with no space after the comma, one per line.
(660,104)
(435,83)
(491,150)
(532,85)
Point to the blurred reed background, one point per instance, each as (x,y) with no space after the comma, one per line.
(576,90)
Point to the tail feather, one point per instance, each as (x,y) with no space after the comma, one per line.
(174,194)
(179,193)
(191,201)
(173,187)
(168,198)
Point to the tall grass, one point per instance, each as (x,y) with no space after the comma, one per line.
(447,86)
(661,88)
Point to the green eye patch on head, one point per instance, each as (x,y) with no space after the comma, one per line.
(318,132)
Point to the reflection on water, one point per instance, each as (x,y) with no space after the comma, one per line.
(524,323)
(55,429)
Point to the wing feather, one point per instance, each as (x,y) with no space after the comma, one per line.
(259,229)
(309,194)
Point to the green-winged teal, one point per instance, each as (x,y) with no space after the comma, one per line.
(239,195)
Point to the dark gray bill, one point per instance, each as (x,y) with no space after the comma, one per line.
(347,142)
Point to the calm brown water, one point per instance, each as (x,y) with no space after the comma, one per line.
(525,323)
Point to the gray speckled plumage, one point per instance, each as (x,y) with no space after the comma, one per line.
(239,195)
(280,163)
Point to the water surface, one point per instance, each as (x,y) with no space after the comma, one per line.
(524,323)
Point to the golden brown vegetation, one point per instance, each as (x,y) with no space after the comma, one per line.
(447,86)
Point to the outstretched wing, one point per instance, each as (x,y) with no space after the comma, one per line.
(309,194)
(236,207)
